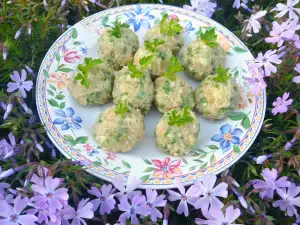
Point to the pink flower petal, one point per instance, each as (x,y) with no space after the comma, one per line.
(183,208)
(232,214)
(51,184)
(6,209)
(27,219)
(23,75)
(12,87)
(62,193)
(20,204)
(28,85)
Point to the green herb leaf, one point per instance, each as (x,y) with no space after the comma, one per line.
(116,30)
(209,37)
(152,45)
(175,118)
(84,69)
(121,108)
(223,75)
(173,68)
(169,27)
(145,61)
(134,71)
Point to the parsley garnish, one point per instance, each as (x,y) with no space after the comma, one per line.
(152,45)
(209,37)
(116,29)
(175,118)
(223,75)
(173,68)
(121,108)
(169,27)
(84,69)
(139,72)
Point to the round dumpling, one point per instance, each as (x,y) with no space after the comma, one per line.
(159,63)
(215,99)
(174,137)
(137,91)
(172,41)
(118,51)
(200,60)
(119,132)
(98,91)
(170,94)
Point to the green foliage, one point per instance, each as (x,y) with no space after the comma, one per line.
(121,108)
(136,72)
(152,45)
(223,75)
(173,68)
(169,27)
(83,70)
(116,29)
(175,118)
(209,37)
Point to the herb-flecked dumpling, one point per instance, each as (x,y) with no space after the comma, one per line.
(117,45)
(172,92)
(177,132)
(217,95)
(119,128)
(93,83)
(161,57)
(169,31)
(134,85)
(203,56)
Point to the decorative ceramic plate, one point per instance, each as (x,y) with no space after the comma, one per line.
(69,124)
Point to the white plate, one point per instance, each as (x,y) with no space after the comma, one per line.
(156,169)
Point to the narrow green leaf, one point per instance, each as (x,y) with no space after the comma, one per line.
(57,57)
(236,116)
(126,164)
(50,92)
(106,162)
(198,160)
(116,168)
(104,20)
(149,169)
(202,155)
(212,159)
(62,105)
(97,163)
(74,33)
(147,161)
(238,49)
(145,178)
(60,96)
(246,122)
(298,119)
(77,43)
(52,87)
(192,168)
(236,149)
(229,53)
(81,140)
(46,74)
(204,165)
(184,160)
(66,70)
(53,103)
(70,139)
(214,147)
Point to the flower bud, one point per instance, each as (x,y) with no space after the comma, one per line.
(9,108)
(6,173)
(19,32)
(29,27)
(4,53)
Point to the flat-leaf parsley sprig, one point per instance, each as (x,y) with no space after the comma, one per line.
(84,68)
(173,68)
(121,108)
(116,30)
(169,27)
(138,72)
(152,45)
(209,37)
(179,119)
(223,75)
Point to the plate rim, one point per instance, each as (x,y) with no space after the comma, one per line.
(166,7)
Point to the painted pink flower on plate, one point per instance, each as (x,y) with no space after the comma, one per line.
(59,79)
(166,168)
(111,156)
(71,56)
(172,17)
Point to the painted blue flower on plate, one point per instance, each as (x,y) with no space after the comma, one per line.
(67,120)
(188,27)
(139,18)
(228,135)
